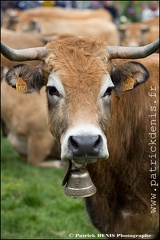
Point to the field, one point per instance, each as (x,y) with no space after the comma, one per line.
(33,204)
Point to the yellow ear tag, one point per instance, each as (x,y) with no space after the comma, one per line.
(21,86)
(128,84)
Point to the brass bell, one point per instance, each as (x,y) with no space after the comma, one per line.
(79,184)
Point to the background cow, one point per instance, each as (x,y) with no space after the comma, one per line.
(95,23)
(22,116)
(25,120)
(102,117)
(139,33)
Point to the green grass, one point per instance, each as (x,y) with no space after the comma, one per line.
(33,204)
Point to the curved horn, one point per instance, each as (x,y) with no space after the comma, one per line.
(23,54)
(132,52)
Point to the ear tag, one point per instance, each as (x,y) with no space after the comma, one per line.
(21,86)
(128,84)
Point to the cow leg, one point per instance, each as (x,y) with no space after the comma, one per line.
(39,148)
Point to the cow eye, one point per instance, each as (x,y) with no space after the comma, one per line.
(108,92)
(53,91)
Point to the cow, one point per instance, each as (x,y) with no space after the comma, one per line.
(94,23)
(139,33)
(30,137)
(60,12)
(103,110)
(25,126)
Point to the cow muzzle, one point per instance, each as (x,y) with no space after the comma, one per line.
(85,148)
(84,145)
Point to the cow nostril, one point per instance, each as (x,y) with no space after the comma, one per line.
(81,146)
(73,144)
(98,143)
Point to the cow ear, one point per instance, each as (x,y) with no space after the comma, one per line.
(128,75)
(25,78)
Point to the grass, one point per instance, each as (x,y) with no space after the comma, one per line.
(33,204)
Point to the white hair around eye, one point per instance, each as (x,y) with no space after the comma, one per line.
(54,81)
(106,86)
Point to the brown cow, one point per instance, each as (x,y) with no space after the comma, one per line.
(139,33)
(30,137)
(16,19)
(58,12)
(103,117)
(96,23)
(26,127)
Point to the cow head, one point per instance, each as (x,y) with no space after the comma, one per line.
(133,34)
(79,77)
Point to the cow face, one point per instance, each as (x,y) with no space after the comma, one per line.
(79,109)
(133,34)
(79,81)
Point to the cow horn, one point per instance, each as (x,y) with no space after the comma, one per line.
(132,52)
(23,54)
